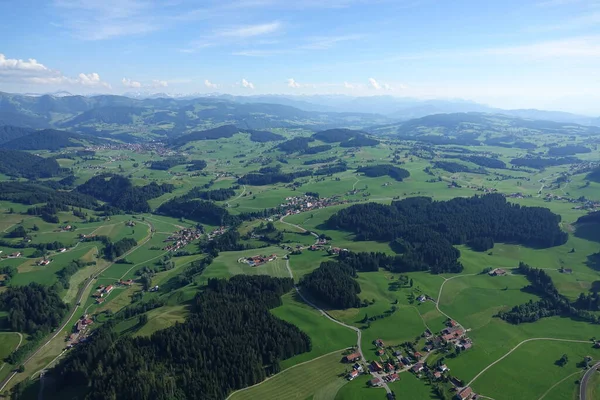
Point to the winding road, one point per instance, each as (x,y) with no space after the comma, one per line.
(329,317)
(323,312)
(437,302)
(585,380)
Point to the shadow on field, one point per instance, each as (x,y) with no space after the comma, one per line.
(593,261)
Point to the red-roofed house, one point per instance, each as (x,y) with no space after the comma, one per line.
(375,382)
(466,393)
(352,357)
(353,374)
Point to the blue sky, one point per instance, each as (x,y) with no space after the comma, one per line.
(512,54)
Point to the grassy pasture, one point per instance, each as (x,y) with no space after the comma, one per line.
(536,360)
(326,336)
(318,379)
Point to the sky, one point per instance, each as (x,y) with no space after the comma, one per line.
(511,53)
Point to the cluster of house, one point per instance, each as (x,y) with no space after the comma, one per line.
(255,261)
(181,239)
(357,369)
(80,331)
(16,254)
(517,195)
(43,262)
(298,204)
(102,292)
(497,272)
(217,232)
(66,228)
(453,334)
(585,203)
(482,189)
(156,147)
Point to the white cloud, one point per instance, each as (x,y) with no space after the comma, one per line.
(30,71)
(7,64)
(106,19)
(327,42)
(210,85)
(157,83)
(585,46)
(131,84)
(247,84)
(250,30)
(232,36)
(92,79)
(348,85)
(374,84)
(292,83)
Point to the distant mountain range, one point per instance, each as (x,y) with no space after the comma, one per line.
(137,119)
(476,128)
(165,116)
(397,108)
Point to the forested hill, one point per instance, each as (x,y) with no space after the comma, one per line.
(594,176)
(49,139)
(120,193)
(591,218)
(227,131)
(385,169)
(424,230)
(8,133)
(22,164)
(105,115)
(337,135)
(229,341)
(469,126)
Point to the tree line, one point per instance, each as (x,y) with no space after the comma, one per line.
(552,303)
(541,162)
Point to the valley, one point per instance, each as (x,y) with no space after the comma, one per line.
(246,250)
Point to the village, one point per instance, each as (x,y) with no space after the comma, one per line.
(182,238)
(396,359)
(256,261)
(307,202)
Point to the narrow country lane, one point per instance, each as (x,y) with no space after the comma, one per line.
(585,380)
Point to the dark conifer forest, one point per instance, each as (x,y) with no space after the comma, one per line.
(424,231)
(229,341)
(32,309)
(120,193)
(333,283)
(202,211)
(384,169)
(21,164)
